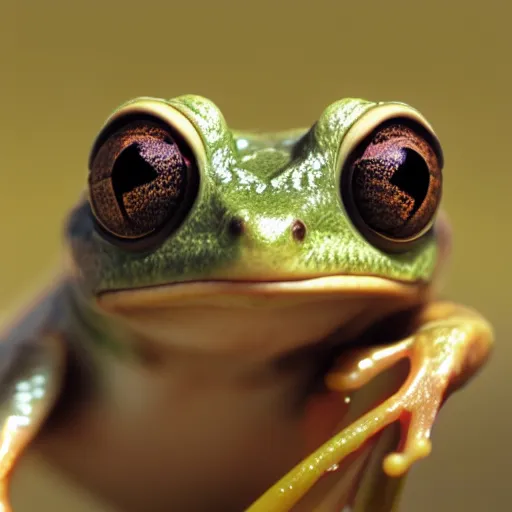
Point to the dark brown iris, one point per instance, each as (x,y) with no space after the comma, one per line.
(396,182)
(138,180)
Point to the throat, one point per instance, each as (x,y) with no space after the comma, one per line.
(145,432)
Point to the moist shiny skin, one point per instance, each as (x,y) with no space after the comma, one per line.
(211,276)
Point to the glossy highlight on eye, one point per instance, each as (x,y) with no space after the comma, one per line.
(138,180)
(395,181)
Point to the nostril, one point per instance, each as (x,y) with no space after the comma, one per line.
(236,226)
(299,230)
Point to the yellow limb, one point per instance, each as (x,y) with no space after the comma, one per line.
(449,346)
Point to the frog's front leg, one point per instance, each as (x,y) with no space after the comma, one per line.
(30,376)
(449,346)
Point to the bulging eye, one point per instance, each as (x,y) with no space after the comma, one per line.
(142,180)
(393,181)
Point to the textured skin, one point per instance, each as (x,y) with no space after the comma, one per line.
(269,184)
(269,208)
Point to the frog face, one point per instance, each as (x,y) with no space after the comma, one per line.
(175,196)
(181,206)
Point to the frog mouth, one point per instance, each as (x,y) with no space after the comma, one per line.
(297,290)
(261,319)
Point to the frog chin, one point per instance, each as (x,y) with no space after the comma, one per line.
(260,319)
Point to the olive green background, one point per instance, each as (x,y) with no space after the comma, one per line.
(271,65)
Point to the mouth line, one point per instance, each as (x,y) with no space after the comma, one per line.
(328,285)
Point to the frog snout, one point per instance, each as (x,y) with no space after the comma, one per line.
(267,230)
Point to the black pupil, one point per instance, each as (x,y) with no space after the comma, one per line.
(148,179)
(412,177)
(141,172)
(390,188)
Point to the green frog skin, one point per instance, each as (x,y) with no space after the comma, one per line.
(226,295)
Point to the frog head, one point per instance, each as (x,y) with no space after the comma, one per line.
(311,227)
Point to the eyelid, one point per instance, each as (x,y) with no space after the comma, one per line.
(160,111)
(377,115)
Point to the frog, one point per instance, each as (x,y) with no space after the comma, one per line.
(239,250)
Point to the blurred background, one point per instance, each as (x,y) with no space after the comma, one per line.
(270,65)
